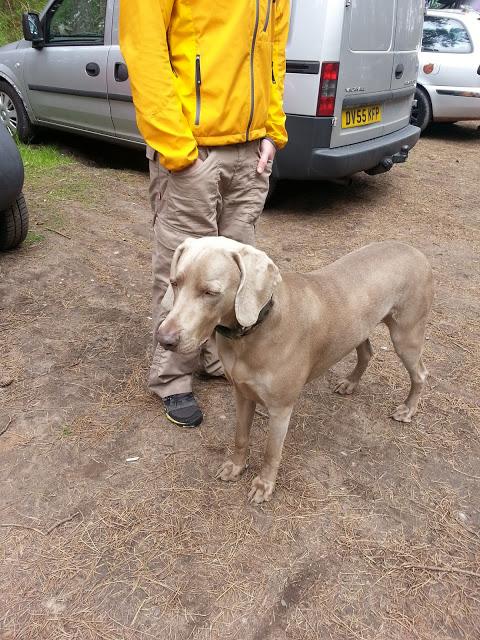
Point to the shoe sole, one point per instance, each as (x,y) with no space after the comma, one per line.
(197,422)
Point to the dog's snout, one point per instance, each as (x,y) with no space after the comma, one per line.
(168,340)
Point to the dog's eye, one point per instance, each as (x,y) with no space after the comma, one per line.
(212,293)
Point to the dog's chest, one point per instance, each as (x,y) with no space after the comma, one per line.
(247,379)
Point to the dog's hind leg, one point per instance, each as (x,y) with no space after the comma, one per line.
(364,354)
(408,343)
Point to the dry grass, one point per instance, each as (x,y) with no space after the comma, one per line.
(374,532)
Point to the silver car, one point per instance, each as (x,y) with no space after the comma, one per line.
(448,87)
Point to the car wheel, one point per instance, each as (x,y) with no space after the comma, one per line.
(14,115)
(421,111)
(14,224)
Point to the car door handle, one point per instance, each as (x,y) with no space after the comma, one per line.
(121,72)
(92,69)
(399,71)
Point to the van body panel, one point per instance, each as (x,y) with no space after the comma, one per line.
(379,54)
(314,35)
(371,25)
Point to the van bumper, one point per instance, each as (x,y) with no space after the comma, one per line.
(305,159)
(363,156)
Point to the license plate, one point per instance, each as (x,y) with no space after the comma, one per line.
(361,116)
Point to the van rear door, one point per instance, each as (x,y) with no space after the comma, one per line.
(378,68)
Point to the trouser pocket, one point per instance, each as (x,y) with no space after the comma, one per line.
(191,197)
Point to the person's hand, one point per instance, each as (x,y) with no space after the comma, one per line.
(191,168)
(267,152)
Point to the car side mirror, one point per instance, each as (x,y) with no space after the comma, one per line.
(32,29)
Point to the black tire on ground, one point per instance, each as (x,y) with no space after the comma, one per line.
(25,129)
(422,113)
(13,224)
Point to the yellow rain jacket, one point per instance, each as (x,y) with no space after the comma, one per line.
(205,72)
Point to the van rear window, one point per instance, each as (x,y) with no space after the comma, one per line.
(445,35)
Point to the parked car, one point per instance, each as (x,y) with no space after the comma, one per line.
(351,72)
(448,86)
(13,208)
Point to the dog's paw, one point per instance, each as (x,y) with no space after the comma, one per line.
(345,387)
(403,413)
(230,472)
(261,490)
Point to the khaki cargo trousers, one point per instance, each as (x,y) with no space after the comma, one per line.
(224,196)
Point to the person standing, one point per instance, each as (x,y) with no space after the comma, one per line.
(207,82)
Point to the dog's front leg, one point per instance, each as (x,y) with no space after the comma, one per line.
(232,469)
(263,485)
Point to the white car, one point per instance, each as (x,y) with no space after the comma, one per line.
(448,87)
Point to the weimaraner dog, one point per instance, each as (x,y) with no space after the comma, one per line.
(277,332)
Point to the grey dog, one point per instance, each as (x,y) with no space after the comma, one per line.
(277,332)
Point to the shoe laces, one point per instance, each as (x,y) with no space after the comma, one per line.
(180,400)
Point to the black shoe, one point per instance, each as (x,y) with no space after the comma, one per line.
(203,375)
(182,409)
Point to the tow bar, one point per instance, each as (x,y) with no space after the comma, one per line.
(387,163)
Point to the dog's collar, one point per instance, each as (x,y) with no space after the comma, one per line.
(233,333)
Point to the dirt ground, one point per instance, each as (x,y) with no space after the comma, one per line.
(373,533)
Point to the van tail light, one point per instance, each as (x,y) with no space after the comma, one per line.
(328,89)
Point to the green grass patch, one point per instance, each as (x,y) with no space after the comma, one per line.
(55,221)
(11,17)
(33,238)
(74,188)
(40,157)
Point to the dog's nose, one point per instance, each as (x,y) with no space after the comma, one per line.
(169,340)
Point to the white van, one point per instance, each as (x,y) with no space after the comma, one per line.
(351,73)
(352,67)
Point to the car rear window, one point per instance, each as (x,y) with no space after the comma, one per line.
(445,35)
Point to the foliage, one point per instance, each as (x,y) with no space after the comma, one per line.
(11,17)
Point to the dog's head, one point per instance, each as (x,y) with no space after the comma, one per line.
(214,281)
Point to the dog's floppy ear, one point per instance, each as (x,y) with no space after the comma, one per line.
(168,299)
(176,258)
(259,277)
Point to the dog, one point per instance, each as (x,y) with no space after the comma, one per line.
(277,332)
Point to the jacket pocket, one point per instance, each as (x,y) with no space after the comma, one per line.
(198,91)
(267,18)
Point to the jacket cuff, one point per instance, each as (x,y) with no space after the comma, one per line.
(272,141)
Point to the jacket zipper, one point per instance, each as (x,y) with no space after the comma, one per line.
(265,26)
(252,75)
(198,84)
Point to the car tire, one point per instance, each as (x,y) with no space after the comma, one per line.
(20,124)
(14,224)
(421,113)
